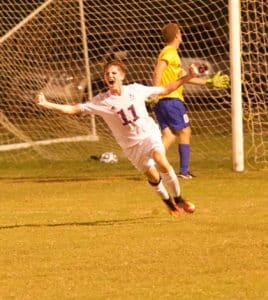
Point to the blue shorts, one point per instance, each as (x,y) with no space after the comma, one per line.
(171,112)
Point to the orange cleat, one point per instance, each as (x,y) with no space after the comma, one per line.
(184,204)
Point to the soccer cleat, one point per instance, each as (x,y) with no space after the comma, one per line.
(184,204)
(186,176)
(173,209)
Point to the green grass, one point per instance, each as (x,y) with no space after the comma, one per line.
(84,230)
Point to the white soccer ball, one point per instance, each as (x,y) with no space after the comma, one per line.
(109,158)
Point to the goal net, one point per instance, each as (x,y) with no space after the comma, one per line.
(59,47)
(254,30)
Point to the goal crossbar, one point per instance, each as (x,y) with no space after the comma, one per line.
(16,146)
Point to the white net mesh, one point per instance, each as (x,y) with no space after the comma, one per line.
(42,49)
(254,25)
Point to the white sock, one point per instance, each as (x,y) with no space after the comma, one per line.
(171,181)
(160,190)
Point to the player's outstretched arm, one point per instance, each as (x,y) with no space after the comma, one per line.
(172,86)
(217,80)
(41,100)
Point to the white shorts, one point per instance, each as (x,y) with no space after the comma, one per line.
(140,155)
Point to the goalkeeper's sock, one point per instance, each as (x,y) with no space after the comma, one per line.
(184,153)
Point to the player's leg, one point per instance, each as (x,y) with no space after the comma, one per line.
(161,113)
(180,126)
(184,150)
(145,157)
(170,179)
(168,137)
(139,156)
(183,136)
(155,181)
(167,172)
(172,118)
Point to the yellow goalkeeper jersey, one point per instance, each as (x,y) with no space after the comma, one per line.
(172,72)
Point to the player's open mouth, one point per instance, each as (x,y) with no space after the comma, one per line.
(111,81)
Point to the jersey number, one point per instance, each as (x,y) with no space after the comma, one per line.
(124,118)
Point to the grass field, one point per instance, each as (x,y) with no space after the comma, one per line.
(81,230)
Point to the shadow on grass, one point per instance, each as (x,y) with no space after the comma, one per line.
(93,223)
(70,179)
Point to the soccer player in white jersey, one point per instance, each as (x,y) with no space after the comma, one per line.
(123,109)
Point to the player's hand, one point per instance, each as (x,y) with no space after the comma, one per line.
(40,99)
(219,81)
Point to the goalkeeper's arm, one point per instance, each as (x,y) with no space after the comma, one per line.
(217,80)
(41,100)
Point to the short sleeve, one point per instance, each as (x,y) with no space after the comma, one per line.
(148,91)
(169,56)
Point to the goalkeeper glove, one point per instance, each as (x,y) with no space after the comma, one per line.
(219,81)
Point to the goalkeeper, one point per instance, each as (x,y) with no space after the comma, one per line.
(170,110)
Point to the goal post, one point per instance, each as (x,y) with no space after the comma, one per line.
(87,63)
(236,90)
(60,46)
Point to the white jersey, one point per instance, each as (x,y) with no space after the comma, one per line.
(126,115)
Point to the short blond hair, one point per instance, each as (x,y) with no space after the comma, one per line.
(169,32)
